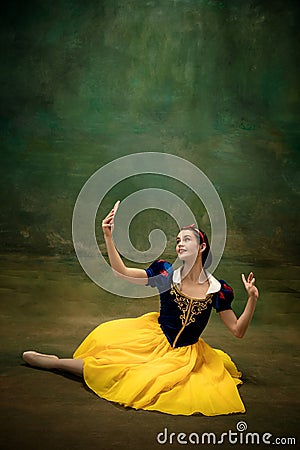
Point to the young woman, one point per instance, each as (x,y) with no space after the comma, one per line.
(159,361)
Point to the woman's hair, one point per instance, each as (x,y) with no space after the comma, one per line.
(202,239)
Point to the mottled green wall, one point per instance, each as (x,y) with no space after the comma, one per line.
(215,82)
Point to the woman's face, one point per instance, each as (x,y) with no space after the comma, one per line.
(187,246)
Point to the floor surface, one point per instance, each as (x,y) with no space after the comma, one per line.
(50,306)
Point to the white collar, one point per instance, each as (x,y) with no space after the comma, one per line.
(214,284)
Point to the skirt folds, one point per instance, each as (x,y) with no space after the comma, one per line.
(130,361)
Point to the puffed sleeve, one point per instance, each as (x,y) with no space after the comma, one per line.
(160,274)
(222,299)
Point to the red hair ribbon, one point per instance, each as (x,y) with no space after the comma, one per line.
(196,229)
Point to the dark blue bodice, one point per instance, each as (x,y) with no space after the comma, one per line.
(183,318)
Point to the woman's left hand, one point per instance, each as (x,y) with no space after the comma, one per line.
(249,285)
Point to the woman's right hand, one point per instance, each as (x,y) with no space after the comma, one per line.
(136,276)
(108,221)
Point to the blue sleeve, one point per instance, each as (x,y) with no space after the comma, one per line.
(160,274)
(222,300)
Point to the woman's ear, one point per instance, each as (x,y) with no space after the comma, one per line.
(202,247)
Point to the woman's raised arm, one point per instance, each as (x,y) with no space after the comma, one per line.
(239,326)
(131,274)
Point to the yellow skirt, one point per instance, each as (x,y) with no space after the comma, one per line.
(130,361)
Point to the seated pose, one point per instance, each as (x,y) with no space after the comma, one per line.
(159,361)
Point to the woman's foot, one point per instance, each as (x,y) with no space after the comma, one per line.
(40,360)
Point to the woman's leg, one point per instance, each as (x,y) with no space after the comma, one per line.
(50,362)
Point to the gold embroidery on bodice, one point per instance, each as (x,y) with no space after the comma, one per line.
(189,307)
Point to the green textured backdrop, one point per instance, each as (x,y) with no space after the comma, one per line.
(216,82)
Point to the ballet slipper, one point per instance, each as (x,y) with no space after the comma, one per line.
(40,360)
